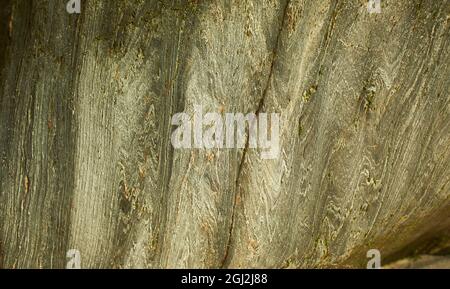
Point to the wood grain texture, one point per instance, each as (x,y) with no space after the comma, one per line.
(86,161)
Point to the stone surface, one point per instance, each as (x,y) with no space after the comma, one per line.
(422,262)
(86,161)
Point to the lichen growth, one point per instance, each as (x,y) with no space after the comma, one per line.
(308,94)
(369,96)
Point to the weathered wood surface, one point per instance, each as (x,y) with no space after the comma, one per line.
(85,154)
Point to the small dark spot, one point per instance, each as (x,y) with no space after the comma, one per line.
(300,128)
(125,205)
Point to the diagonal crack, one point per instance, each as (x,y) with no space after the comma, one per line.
(226,259)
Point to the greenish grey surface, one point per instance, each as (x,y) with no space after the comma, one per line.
(86,161)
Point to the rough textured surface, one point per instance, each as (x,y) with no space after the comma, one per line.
(422,262)
(85,154)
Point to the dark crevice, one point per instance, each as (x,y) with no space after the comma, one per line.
(227,258)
